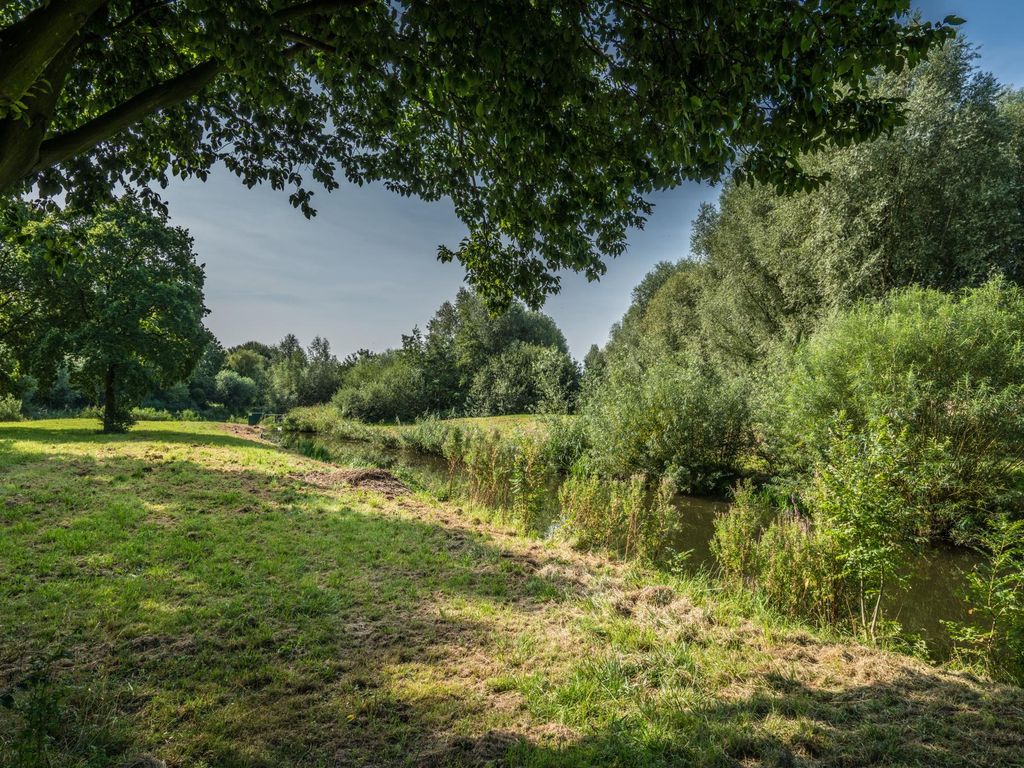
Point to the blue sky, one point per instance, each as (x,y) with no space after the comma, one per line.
(364,270)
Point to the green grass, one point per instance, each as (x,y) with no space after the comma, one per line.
(188,593)
(325,419)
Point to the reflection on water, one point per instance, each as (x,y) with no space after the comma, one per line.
(935,583)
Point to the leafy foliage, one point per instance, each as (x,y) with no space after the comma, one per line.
(386,387)
(668,416)
(470,360)
(996,592)
(524,378)
(937,203)
(10,408)
(122,316)
(544,123)
(943,370)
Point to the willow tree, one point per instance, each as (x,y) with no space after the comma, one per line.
(547,123)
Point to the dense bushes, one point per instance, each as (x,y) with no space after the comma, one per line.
(995,641)
(384,387)
(672,417)
(10,408)
(468,362)
(944,371)
(896,422)
(524,378)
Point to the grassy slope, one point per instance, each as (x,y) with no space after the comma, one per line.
(189,593)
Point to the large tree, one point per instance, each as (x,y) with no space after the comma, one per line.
(546,122)
(123,316)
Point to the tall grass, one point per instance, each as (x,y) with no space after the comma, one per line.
(625,516)
(530,474)
(778,552)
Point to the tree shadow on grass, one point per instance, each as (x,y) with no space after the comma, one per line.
(245,619)
(915,718)
(256,619)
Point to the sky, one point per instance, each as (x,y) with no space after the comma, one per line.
(364,270)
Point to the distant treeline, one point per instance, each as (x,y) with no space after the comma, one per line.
(469,361)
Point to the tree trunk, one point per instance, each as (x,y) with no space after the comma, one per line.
(109,402)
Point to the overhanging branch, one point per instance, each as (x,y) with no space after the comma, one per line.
(28,46)
(166,94)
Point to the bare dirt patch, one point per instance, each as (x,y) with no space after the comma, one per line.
(377,480)
(245,432)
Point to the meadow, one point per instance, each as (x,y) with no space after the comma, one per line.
(188,594)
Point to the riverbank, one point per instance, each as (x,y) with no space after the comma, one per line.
(517,466)
(205,598)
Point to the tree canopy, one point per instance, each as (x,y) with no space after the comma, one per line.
(123,316)
(546,123)
(938,204)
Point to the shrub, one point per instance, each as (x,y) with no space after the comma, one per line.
(734,544)
(947,371)
(995,640)
(524,378)
(672,417)
(870,492)
(149,414)
(235,391)
(10,408)
(382,388)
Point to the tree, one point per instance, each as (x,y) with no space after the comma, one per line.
(322,375)
(546,123)
(125,315)
(939,203)
(524,378)
(384,387)
(236,392)
(286,373)
(202,384)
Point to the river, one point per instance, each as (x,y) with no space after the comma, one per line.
(935,583)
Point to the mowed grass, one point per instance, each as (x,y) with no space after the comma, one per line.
(195,596)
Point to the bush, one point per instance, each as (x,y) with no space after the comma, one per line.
(673,418)
(870,493)
(947,371)
(149,414)
(235,391)
(382,388)
(524,378)
(10,408)
(994,641)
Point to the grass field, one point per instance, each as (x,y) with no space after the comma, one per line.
(325,419)
(189,594)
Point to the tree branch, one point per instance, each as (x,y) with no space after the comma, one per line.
(28,45)
(307,41)
(60,148)
(166,94)
(315,8)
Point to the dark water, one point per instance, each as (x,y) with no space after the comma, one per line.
(935,584)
